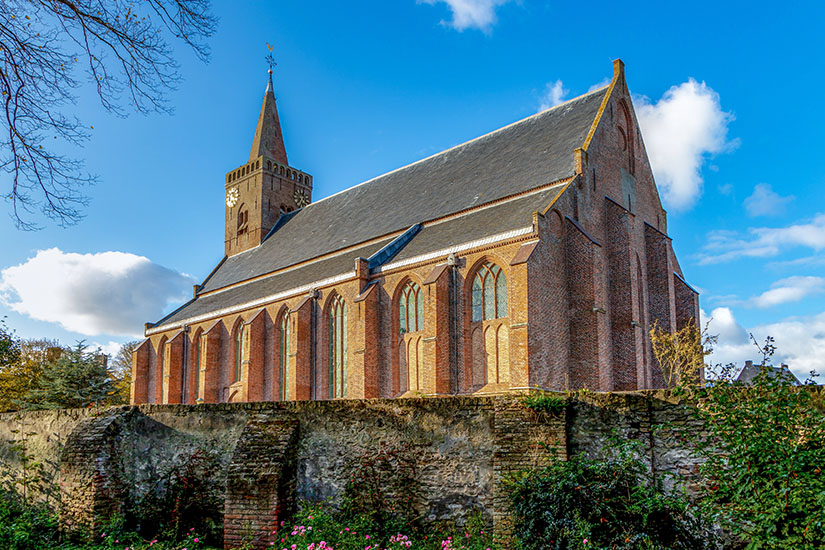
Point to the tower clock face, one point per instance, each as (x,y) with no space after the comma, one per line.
(232,196)
(301,198)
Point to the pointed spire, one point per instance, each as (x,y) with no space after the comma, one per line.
(268,137)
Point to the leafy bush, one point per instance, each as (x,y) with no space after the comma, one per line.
(25,527)
(609,503)
(764,457)
(545,403)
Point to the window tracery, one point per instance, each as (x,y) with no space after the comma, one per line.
(411,308)
(337,348)
(489,293)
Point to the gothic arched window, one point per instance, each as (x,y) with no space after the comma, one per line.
(240,338)
(489,293)
(411,308)
(163,381)
(337,348)
(284,357)
(196,386)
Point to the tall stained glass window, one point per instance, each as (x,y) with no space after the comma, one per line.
(411,308)
(284,357)
(489,293)
(337,348)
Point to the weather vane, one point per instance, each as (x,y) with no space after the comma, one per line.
(269,59)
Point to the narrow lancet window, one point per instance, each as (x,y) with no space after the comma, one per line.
(337,348)
(284,358)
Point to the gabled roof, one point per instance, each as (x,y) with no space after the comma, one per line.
(751,371)
(523,156)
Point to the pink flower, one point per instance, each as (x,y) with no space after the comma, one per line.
(368,536)
(196,540)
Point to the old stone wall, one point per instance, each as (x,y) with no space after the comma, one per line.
(268,455)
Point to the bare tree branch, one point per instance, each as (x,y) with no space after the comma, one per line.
(125,49)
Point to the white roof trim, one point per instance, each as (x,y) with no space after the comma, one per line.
(457,248)
(340,278)
(254,303)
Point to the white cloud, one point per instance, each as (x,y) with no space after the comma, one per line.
(800,342)
(726,189)
(765,202)
(470,14)
(600,84)
(107,293)
(722,322)
(553,95)
(680,131)
(110,348)
(791,289)
(763,242)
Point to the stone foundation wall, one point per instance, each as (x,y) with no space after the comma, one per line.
(269,455)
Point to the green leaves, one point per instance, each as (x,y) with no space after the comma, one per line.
(763,458)
(77,378)
(607,503)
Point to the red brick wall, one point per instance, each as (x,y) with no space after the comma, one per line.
(548,305)
(579,313)
(620,277)
(584,345)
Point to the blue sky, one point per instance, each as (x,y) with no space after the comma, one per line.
(727,94)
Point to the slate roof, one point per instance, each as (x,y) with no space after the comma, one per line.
(751,371)
(525,155)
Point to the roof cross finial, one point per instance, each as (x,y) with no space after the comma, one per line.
(270,60)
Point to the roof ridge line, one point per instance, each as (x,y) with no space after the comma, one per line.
(397,233)
(544,112)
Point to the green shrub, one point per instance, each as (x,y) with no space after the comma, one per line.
(25,527)
(608,503)
(545,403)
(763,471)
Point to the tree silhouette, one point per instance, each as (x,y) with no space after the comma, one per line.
(125,49)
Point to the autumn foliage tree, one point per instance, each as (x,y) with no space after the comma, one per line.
(120,369)
(9,359)
(681,354)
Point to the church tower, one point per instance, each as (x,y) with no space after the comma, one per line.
(265,187)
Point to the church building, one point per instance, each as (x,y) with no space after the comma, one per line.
(535,256)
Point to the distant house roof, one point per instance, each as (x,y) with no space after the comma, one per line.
(750,371)
(524,156)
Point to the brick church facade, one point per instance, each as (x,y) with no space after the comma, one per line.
(536,256)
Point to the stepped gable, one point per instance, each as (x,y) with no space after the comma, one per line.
(525,155)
